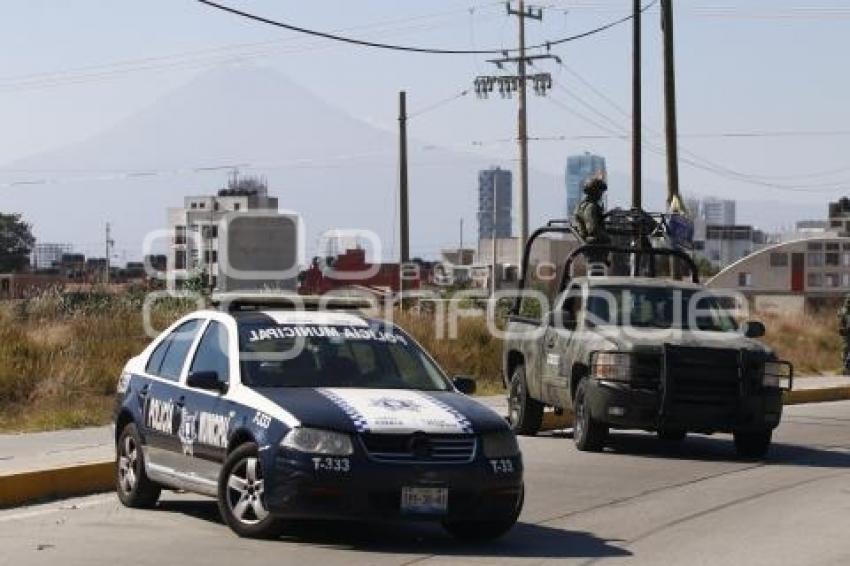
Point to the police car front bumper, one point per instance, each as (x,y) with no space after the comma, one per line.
(365,489)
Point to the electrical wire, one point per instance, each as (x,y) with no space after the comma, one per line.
(414,49)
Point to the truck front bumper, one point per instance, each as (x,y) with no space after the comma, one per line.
(620,405)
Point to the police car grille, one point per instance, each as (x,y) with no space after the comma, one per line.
(437,448)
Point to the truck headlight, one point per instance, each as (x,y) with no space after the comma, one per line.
(778,374)
(500,444)
(613,366)
(317,441)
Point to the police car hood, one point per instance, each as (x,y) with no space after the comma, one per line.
(391,411)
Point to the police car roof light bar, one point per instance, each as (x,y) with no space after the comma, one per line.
(235,301)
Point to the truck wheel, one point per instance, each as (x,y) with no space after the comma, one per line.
(134,487)
(524,413)
(753,445)
(241,495)
(588,434)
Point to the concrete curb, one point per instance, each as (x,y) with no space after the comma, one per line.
(84,479)
(823,395)
(42,485)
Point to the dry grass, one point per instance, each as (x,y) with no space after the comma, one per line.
(59,360)
(810,342)
(474,352)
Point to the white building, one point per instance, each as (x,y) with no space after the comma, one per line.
(47,255)
(718,212)
(236,239)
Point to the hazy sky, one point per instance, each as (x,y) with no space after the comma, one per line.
(71,69)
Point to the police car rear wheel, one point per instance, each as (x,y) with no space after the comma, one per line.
(524,413)
(484,530)
(132,483)
(241,495)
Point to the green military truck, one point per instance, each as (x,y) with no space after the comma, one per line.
(638,351)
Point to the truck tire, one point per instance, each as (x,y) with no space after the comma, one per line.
(588,433)
(524,413)
(753,445)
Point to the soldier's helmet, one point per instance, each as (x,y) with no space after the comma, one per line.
(595,187)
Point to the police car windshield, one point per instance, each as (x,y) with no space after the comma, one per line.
(658,307)
(312,355)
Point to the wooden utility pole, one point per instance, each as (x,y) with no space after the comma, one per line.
(670,102)
(402,183)
(109,244)
(636,110)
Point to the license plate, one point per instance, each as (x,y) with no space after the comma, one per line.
(425,500)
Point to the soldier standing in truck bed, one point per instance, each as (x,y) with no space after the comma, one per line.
(589,220)
(844,332)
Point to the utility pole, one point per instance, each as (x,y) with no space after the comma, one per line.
(670,102)
(636,110)
(493,231)
(402,182)
(507,85)
(109,243)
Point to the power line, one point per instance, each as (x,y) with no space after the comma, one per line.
(414,49)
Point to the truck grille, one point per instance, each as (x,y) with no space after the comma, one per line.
(705,376)
(419,447)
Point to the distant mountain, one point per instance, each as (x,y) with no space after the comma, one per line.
(334,169)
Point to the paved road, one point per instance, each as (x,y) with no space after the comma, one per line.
(635,504)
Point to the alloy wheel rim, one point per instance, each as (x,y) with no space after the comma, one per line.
(128,465)
(245,492)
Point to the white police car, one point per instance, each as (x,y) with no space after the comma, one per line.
(285,413)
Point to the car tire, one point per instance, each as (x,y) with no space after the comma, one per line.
(524,413)
(132,484)
(753,445)
(476,531)
(589,434)
(241,495)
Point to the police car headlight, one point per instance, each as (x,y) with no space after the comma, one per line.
(316,441)
(778,374)
(500,445)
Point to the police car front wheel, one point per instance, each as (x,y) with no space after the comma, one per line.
(241,495)
(134,487)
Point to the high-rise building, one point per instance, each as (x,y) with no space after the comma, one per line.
(580,168)
(718,212)
(495,199)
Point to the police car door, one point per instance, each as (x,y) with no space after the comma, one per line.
(206,414)
(159,398)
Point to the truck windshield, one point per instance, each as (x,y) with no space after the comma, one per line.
(307,355)
(658,307)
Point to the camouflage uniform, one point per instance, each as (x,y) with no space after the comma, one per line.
(588,219)
(844,332)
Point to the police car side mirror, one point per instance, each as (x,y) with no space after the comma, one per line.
(464,384)
(206,380)
(753,329)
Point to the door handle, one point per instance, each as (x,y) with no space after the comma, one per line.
(181,402)
(550,343)
(145,390)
